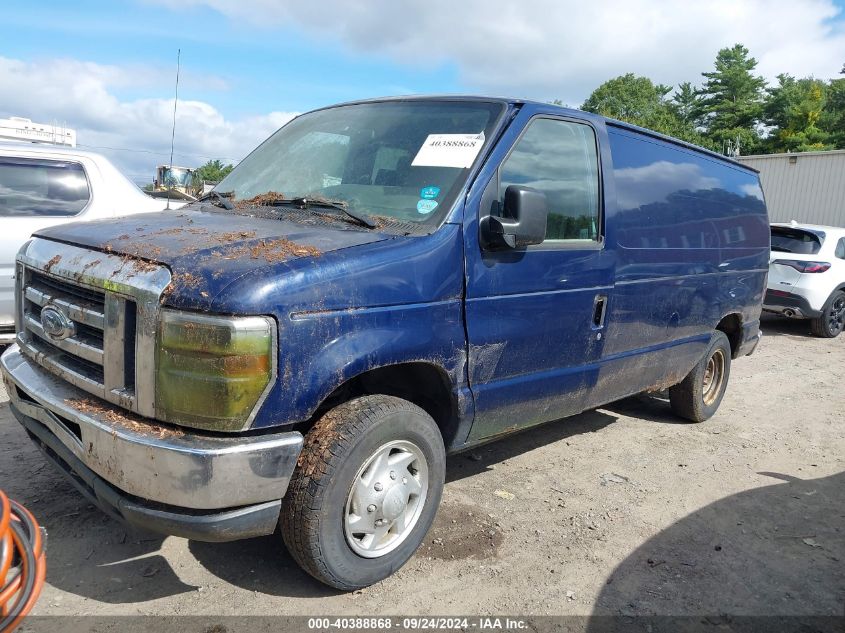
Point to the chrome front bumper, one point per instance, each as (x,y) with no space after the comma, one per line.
(142,460)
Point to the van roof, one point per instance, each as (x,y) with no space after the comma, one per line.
(563,110)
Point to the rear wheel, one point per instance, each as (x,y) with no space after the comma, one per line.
(832,320)
(365,491)
(699,395)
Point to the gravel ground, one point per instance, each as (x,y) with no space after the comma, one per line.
(622,510)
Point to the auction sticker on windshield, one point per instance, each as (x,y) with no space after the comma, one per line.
(449,150)
(426,206)
(430,192)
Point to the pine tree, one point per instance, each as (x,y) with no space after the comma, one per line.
(732,100)
(686,103)
(639,101)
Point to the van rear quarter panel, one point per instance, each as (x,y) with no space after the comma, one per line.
(691,237)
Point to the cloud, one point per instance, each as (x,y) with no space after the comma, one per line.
(752,190)
(543,49)
(637,186)
(83,95)
(562,48)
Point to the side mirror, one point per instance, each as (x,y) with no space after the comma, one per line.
(523,223)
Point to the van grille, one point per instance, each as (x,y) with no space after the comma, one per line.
(103,341)
(80,356)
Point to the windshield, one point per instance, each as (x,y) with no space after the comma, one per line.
(401,160)
(176,177)
(789,240)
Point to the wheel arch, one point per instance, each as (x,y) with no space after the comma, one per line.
(818,325)
(731,326)
(424,383)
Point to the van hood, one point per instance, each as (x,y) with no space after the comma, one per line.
(206,250)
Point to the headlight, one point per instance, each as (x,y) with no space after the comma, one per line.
(212,370)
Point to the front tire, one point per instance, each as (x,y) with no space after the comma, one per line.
(365,491)
(832,320)
(699,395)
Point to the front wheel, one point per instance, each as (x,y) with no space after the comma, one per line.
(832,320)
(699,395)
(364,492)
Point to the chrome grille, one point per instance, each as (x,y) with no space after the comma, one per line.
(110,349)
(86,308)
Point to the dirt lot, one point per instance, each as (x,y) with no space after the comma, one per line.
(620,510)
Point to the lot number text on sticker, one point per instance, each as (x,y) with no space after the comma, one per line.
(449,150)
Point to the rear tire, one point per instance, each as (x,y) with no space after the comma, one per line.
(832,320)
(699,395)
(365,491)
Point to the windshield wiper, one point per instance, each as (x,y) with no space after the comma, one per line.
(217,199)
(304,202)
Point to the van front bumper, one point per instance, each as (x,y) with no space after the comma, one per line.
(157,477)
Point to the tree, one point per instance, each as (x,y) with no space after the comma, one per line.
(833,116)
(732,100)
(733,110)
(686,103)
(794,108)
(628,98)
(639,101)
(212,171)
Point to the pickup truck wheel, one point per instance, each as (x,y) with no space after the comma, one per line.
(699,395)
(832,320)
(365,491)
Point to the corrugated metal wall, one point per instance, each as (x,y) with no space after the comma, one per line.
(811,189)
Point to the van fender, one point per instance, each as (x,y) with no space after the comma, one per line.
(349,343)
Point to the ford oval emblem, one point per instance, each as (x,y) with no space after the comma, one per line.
(55,324)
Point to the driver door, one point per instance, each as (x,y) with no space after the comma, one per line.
(536,316)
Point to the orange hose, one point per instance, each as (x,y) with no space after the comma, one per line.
(22,554)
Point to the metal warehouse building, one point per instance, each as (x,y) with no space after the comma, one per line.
(808,187)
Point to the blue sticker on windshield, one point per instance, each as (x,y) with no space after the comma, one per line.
(426,206)
(429,193)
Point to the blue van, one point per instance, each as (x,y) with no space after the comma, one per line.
(377,285)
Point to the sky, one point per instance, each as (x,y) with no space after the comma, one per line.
(107,69)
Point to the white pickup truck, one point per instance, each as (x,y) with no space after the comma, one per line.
(44,185)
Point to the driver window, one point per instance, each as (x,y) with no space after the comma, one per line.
(559,158)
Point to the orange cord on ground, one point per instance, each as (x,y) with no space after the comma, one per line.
(23,565)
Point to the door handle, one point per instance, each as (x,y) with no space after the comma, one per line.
(599,311)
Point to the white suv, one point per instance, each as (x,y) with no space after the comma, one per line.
(42,185)
(807,276)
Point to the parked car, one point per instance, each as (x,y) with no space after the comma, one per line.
(377,285)
(807,276)
(44,185)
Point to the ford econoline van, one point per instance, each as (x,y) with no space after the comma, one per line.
(377,285)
